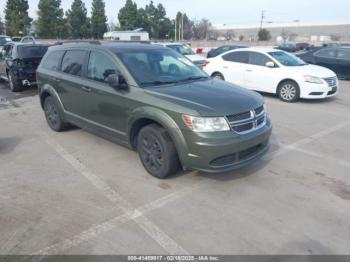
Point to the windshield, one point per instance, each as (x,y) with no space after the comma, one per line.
(4,40)
(287,59)
(184,50)
(159,66)
(32,51)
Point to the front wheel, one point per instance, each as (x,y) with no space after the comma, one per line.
(157,152)
(288,91)
(15,84)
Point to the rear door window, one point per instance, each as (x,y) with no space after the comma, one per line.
(343,54)
(73,62)
(327,53)
(237,57)
(53,60)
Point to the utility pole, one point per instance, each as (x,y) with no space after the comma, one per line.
(262,18)
(175,27)
(182,27)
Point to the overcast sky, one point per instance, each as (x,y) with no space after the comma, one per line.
(231,11)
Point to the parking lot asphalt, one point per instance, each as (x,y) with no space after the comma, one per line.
(75,193)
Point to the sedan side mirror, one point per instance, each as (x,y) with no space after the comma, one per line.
(270,64)
(117,81)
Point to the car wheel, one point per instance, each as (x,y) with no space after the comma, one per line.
(288,91)
(157,152)
(14,84)
(218,76)
(53,115)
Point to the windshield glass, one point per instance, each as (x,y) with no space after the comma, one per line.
(159,66)
(4,40)
(287,59)
(32,51)
(184,50)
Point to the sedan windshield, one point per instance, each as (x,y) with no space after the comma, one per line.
(287,59)
(184,50)
(152,67)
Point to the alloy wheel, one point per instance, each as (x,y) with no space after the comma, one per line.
(151,152)
(288,92)
(51,113)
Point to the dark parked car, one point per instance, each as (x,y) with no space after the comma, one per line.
(4,39)
(288,47)
(16,38)
(18,63)
(222,49)
(302,46)
(336,58)
(155,101)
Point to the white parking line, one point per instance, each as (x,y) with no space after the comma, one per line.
(148,226)
(96,230)
(286,148)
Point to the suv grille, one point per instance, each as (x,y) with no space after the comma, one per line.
(248,121)
(331,81)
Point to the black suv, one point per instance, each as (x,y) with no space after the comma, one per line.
(156,101)
(18,63)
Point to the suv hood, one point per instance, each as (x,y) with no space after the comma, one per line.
(208,98)
(313,70)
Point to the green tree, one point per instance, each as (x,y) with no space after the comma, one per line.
(51,23)
(98,19)
(128,15)
(16,17)
(160,25)
(78,21)
(264,35)
(2,27)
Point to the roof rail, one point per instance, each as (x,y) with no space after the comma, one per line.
(94,42)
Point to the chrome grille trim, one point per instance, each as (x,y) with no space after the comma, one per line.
(252,121)
(331,81)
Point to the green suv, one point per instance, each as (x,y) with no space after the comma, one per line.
(153,100)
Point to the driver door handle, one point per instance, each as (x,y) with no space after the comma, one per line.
(87,89)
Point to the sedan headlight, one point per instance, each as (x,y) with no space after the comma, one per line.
(205,124)
(313,79)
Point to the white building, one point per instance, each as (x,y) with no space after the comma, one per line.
(135,35)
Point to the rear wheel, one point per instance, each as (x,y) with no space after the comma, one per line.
(218,76)
(53,115)
(15,84)
(288,91)
(157,151)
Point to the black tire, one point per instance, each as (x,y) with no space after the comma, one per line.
(14,83)
(157,152)
(53,115)
(218,76)
(288,91)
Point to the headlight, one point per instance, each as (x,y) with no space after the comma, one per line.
(313,79)
(206,124)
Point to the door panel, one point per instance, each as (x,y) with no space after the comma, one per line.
(234,66)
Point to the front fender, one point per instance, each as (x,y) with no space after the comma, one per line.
(165,121)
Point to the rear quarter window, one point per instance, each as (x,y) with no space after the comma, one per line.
(52,60)
(237,57)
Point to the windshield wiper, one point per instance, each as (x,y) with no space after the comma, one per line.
(158,83)
(192,78)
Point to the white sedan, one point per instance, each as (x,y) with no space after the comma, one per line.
(274,71)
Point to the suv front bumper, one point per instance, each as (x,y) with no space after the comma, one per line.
(225,151)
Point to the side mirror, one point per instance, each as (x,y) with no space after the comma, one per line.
(117,81)
(270,64)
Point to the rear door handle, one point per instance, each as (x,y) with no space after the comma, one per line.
(87,89)
(56,79)
(249,70)
(225,67)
